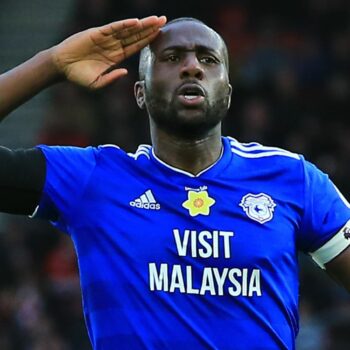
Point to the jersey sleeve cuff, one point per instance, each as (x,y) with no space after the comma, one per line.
(333,247)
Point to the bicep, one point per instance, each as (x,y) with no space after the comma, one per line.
(22,178)
(339,268)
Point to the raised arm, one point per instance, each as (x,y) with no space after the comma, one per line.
(90,58)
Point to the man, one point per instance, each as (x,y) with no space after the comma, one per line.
(190,243)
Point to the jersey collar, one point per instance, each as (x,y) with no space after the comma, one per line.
(212,170)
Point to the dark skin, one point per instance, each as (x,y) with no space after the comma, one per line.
(177,56)
(186,135)
(90,59)
(339,269)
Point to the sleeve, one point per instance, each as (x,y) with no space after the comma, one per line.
(326,219)
(22,176)
(68,170)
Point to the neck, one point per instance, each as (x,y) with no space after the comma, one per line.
(193,155)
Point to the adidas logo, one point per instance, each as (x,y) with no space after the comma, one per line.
(146,201)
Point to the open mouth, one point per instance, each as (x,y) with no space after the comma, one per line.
(190,90)
(191,94)
(190,97)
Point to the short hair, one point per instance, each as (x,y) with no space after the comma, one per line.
(146,51)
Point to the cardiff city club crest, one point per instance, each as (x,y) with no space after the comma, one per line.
(258,207)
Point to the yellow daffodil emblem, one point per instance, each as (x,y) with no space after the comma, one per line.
(198,203)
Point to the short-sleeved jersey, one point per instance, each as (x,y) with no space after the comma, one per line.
(169,260)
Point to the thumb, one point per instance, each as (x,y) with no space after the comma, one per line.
(107,78)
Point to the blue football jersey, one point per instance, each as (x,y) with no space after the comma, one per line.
(169,260)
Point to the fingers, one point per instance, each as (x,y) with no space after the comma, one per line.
(118,40)
(153,21)
(134,31)
(125,33)
(125,28)
(138,35)
(111,28)
(139,45)
(135,38)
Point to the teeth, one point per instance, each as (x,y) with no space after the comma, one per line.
(190,97)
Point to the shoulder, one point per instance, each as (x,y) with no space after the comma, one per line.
(254,150)
(114,152)
(266,162)
(101,153)
(69,156)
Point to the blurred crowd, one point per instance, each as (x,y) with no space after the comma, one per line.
(290,71)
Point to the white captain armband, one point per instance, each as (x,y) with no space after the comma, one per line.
(333,247)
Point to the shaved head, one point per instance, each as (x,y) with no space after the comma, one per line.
(146,52)
(184,83)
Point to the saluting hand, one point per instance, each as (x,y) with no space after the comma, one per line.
(91,58)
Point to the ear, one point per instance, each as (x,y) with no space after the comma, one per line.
(229,96)
(139,92)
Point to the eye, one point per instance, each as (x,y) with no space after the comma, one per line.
(172,58)
(208,60)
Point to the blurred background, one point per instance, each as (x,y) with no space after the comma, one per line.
(290,70)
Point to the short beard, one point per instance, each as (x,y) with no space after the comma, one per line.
(167,118)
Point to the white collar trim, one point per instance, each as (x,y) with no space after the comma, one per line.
(186,172)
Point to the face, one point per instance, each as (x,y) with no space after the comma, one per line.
(186,89)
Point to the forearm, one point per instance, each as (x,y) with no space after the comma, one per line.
(339,269)
(89,58)
(23,82)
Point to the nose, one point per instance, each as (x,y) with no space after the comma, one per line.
(191,68)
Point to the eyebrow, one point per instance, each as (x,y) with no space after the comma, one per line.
(197,48)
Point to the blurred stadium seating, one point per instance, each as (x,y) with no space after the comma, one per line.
(290,70)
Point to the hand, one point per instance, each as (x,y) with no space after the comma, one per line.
(91,58)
